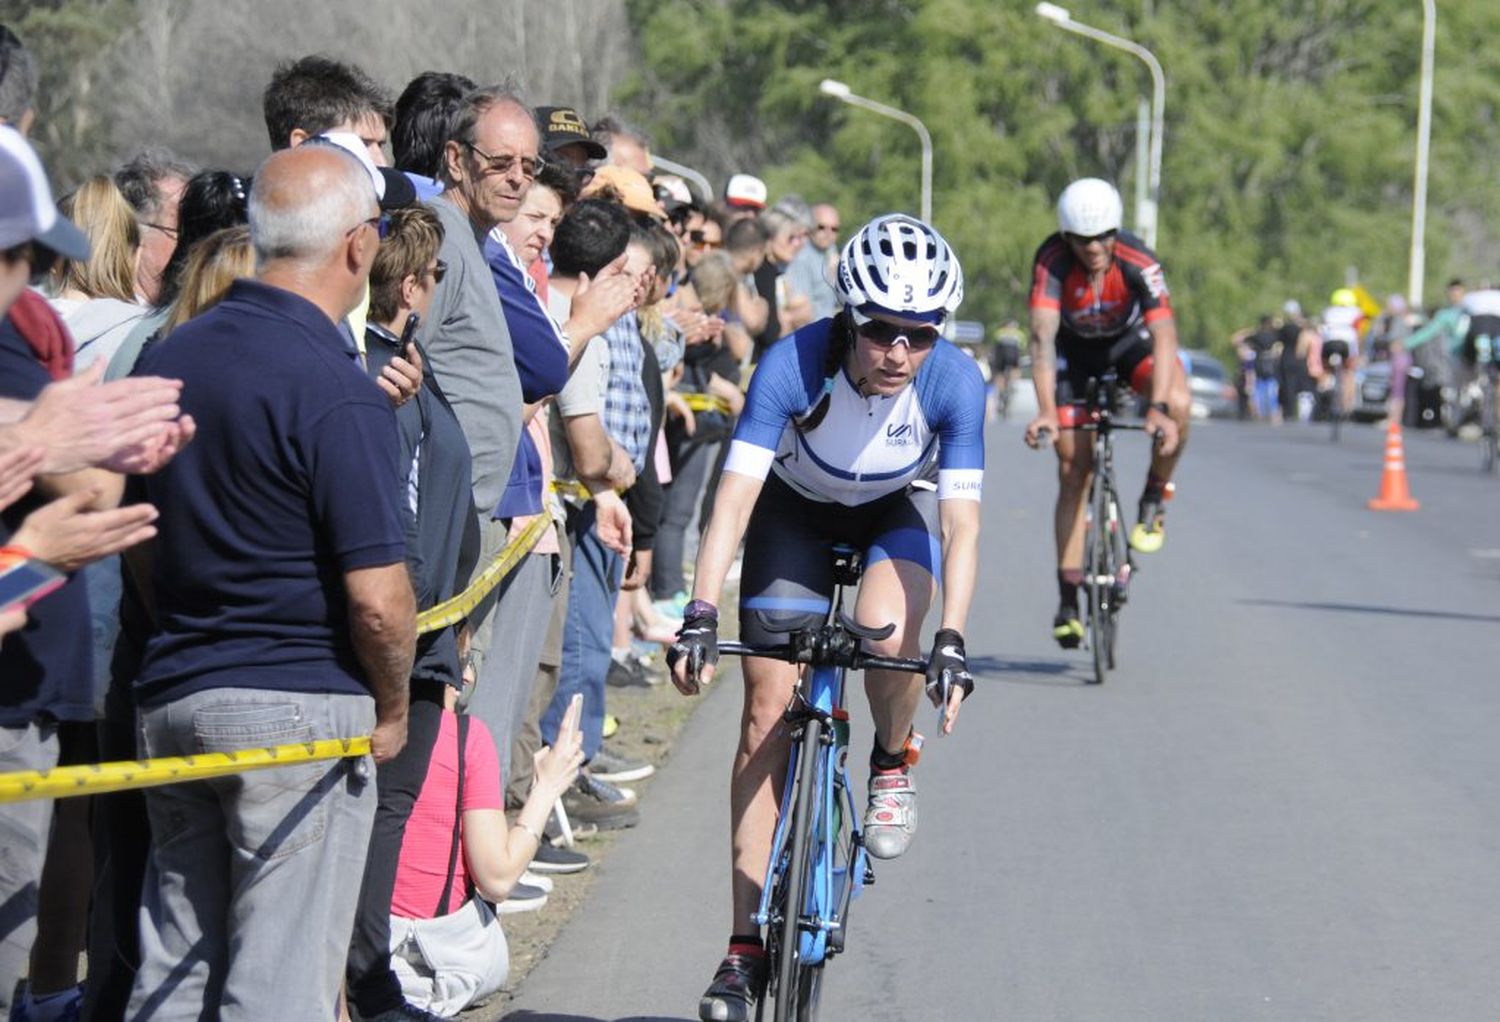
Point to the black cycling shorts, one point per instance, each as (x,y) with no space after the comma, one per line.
(1005,357)
(788,566)
(1487,326)
(1080,360)
(1331,348)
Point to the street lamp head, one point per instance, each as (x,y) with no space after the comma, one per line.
(838,90)
(1053,13)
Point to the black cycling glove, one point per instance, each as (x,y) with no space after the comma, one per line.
(948,666)
(697,639)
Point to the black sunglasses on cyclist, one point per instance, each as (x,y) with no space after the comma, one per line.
(1079,239)
(886,335)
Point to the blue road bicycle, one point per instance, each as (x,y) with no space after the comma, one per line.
(818,860)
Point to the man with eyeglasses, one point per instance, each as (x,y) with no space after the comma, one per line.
(811,270)
(489,161)
(865,429)
(1099,301)
(284,612)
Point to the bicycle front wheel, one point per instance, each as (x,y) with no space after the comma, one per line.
(793,979)
(1096,561)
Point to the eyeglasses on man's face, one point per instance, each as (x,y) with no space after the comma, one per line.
(504,163)
(436,271)
(700,238)
(380,222)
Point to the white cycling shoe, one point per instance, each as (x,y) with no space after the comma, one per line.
(891,816)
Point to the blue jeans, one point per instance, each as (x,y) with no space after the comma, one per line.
(678,505)
(588,631)
(249,899)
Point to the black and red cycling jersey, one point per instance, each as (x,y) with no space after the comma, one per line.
(1133,292)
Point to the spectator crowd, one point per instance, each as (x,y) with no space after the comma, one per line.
(252,427)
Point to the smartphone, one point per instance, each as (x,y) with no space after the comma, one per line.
(379,350)
(24,583)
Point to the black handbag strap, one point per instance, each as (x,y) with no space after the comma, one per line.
(458,816)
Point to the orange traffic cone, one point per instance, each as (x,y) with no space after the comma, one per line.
(1394,494)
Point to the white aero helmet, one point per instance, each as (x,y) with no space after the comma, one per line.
(1089,206)
(899,265)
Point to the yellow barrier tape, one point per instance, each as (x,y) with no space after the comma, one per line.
(705,403)
(98,778)
(454,610)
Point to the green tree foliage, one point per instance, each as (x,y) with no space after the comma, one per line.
(1289,144)
(70,40)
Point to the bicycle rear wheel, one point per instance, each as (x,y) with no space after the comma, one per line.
(1489,439)
(1119,555)
(793,982)
(1336,404)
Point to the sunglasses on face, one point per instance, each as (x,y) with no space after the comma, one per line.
(438,271)
(1081,240)
(700,238)
(827,227)
(887,335)
(530,165)
(40,258)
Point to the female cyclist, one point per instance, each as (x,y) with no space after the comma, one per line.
(867,429)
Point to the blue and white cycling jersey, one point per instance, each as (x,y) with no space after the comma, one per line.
(865,447)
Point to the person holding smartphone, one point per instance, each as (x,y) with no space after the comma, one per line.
(434,460)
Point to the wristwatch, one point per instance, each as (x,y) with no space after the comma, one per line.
(1160,406)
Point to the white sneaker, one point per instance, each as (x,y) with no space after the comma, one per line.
(891,817)
(536,880)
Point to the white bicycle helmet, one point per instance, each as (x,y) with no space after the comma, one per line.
(1089,206)
(899,265)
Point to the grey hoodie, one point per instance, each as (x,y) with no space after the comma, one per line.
(98,325)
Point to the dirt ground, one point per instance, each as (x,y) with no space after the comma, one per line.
(650,719)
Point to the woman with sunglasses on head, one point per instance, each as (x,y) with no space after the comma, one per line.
(1099,301)
(866,429)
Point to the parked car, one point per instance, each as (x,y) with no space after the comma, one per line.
(1212,393)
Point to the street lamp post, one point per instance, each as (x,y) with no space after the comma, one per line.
(842,92)
(1424,138)
(1060,17)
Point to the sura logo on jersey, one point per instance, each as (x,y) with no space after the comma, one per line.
(900,436)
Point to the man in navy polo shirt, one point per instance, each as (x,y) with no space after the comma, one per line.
(282,604)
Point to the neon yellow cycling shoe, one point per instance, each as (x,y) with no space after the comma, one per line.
(1067,629)
(1150,531)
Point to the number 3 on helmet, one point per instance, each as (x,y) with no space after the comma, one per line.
(900,266)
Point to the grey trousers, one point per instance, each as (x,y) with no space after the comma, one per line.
(492,536)
(23,848)
(250,891)
(519,627)
(528,738)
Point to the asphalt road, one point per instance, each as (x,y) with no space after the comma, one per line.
(1282,806)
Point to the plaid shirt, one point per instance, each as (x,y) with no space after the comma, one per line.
(627,409)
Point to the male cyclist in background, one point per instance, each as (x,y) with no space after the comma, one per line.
(1344,323)
(1481,345)
(866,429)
(1005,361)
(1099,301)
